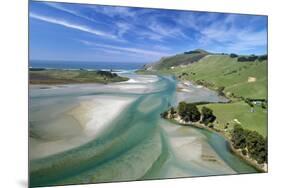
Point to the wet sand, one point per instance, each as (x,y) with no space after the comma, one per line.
(76,126)
(91,133)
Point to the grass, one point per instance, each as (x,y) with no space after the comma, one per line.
(221,70)
(71,76)
(179,59)
(215,71)
(227,113)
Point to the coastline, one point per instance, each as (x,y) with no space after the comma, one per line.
(260,167)
(237,152)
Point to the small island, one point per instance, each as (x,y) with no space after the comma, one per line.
(60,76)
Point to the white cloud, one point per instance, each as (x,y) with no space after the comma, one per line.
(60,7)
(123,28)
(71,25)
(229,37)
(114,11)
(166,31)
(127,49)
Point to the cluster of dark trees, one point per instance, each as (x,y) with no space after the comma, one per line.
(248,58)
(204,83)
(251,58)
(186,74)
(262,57)
(207,115)
(248,101)
(251,143)
(107,74)
(164,114)
(190,113)
(233,55)
(36,69)
(263,103)
(192,52)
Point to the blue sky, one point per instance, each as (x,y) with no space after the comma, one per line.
(80,32)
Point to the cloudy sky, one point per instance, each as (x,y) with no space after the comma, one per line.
(60,31)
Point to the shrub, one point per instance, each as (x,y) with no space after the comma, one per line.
(188,112)
(252,140)
(238,137)
(220,90)
(233,55)
(257,146)
(244,152)
(247,58)
(107,74)
(164,114)
(207,115)
(262,57)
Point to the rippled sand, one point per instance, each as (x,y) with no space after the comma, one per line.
(76,126)
(91,133)
(192,153)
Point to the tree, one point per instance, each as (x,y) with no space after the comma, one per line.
(188,112)
(262,57)
(164,114)
(248,101)
(255,143)
(263,105)
(220,90)
(207,115)
(247,58)
(238,137)
(233,55)
(182,108)
(257,146)
(173,112)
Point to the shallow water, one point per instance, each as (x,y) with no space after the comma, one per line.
(136,144)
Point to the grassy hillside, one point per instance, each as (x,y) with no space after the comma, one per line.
(240,112)
(247,79)
(42,76)
(180,59)
(240,76)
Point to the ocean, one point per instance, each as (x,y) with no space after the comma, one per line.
(85,65)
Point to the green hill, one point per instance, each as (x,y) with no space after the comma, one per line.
(235,76)
(179,59)
(246,79)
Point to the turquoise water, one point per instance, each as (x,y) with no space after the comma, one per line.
(137,144)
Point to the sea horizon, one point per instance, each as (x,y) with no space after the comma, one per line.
(64,64)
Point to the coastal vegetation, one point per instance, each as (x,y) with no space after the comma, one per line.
(240,78)
(250,144)
(55,76)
